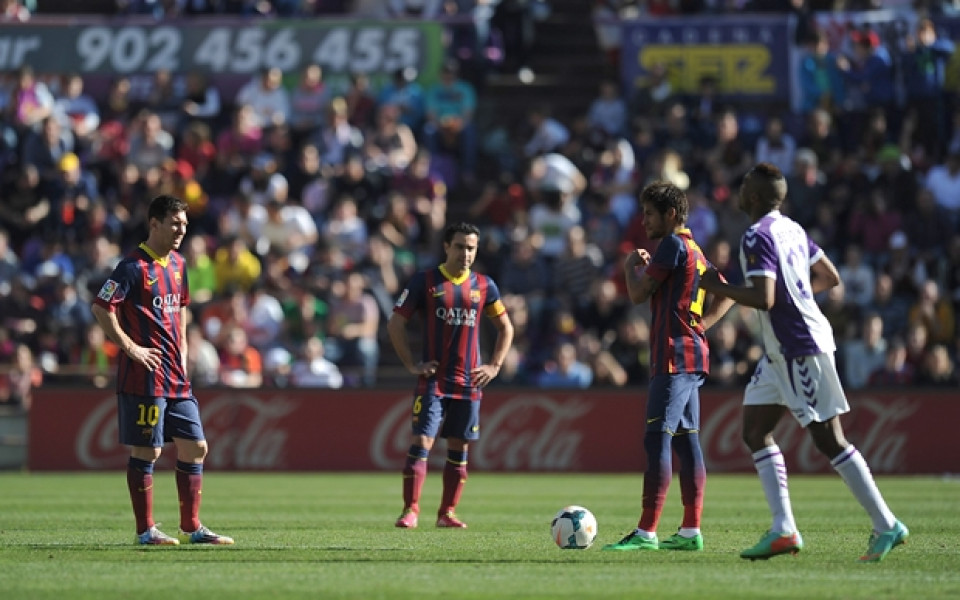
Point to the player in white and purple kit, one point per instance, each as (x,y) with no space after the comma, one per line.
(784,269)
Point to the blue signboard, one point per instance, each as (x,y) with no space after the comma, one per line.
(748,56)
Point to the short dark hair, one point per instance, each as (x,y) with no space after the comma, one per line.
(767,181)
(461,227)
(664,195)
(165,205)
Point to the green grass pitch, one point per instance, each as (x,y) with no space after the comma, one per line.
(324,535)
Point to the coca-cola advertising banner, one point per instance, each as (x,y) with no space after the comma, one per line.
(521,430)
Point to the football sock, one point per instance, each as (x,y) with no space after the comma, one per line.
(140,484)
(189,482)
(773,478)
(855,472)
(689,532)
(414,474)
(647,535)
(454,477)
(656,479)
(693,477)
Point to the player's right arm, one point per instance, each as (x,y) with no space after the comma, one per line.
(148,357)
(641,287)
(761,294)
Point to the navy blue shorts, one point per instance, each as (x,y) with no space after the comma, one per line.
(673,404)
(149,422)
(460,419)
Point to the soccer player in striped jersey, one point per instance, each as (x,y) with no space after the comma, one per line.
(785,269)
(141,307)
(679,362)
(451,375)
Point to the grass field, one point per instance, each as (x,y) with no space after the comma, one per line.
(332,536)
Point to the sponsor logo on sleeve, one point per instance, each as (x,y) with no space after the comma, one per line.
(403,297)
(109,288)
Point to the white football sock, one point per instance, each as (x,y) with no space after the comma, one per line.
(647,535)
(856,474)
(689,532)
(773,478)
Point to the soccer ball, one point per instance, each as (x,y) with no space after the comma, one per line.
(574,528)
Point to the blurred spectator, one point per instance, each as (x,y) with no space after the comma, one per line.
(304,316)
(631,348)
(918,338)
(943,181)
(390,144)
(96,358)
(607,113)
(235,265)
(870,76)
(777,146)
(338,138)
(18,381)
(289,231)
(866,354)
(935,313)
(449,128)
(346,230)
(615,178)
(406,94)
(353,324)
(308,102)
(201,102)
(652,94)
(31,101)
(821,82)
(238,144)
(43,150)
(312,370)
(565,370)
(13,11)
(729,360)
(820,136)
(927,226)
(203,361)
(925,66)
(858,278)
(241,365)
(938,369)
(268,98)
(23,208)
(77,111)
(574,274)
(872,222)
(150,144)
(360,102)
(896,371)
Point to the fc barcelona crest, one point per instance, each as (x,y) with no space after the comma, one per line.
(475,296)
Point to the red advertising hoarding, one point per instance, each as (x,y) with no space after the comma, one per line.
(521,430)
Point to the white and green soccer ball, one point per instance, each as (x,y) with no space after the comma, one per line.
(574,528)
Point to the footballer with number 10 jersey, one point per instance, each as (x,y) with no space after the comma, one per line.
(147,293)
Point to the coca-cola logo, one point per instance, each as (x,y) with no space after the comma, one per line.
(876,430)
(526,432)
(246,430)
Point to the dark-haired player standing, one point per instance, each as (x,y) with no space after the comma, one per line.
(141,308)
(679,362)
(451,375)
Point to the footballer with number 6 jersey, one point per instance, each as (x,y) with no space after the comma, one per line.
(680,361)
(141,307)
(451,299)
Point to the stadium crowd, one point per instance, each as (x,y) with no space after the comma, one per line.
(310,207)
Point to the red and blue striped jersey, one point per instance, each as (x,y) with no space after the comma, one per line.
(147,293)
(677,339)
(451,309)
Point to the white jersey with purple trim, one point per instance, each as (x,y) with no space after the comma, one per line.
(777,247)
